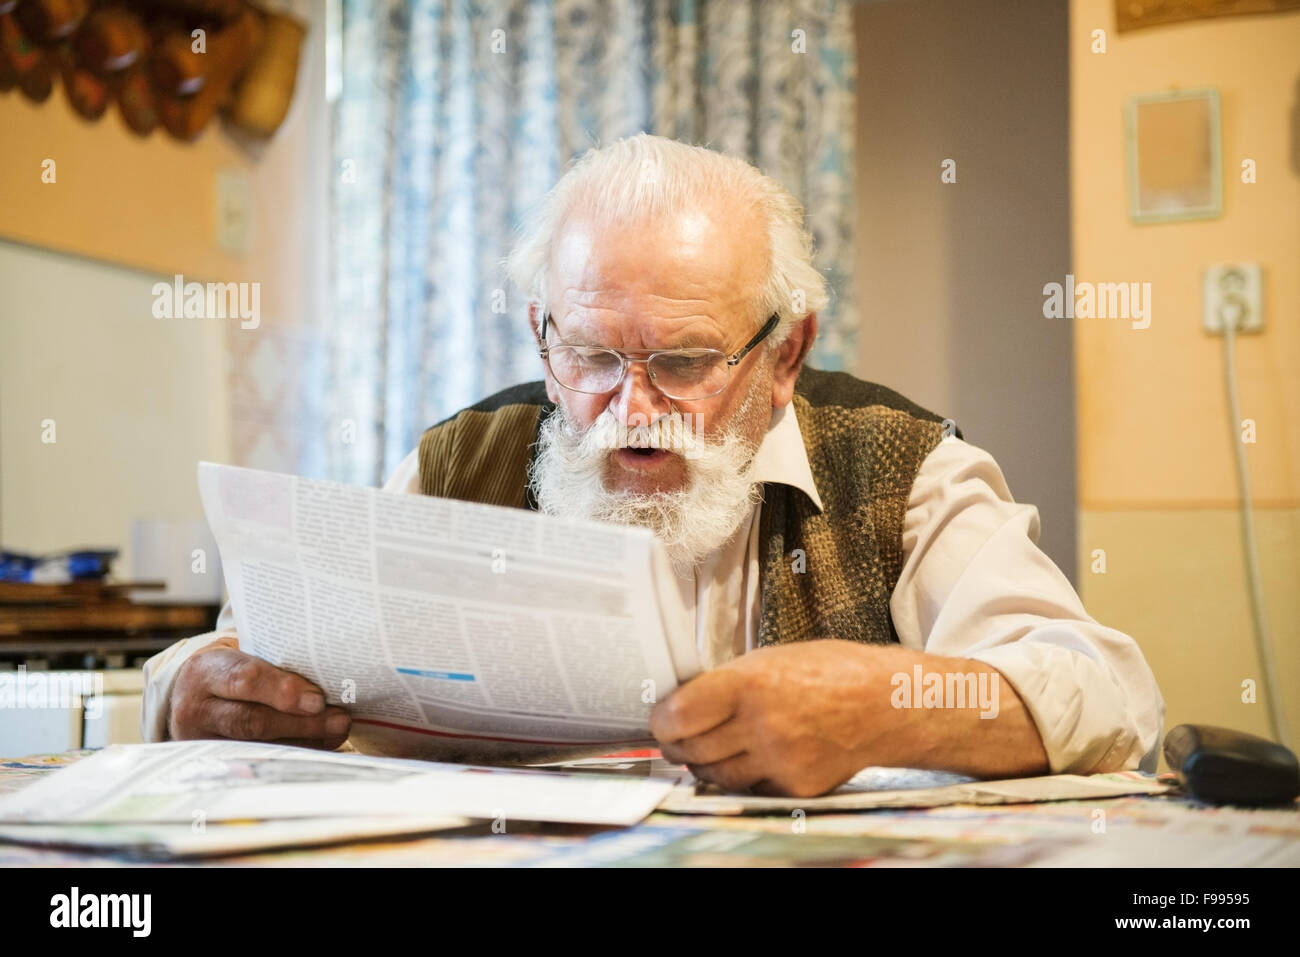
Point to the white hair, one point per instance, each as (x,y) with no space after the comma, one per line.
(644,177)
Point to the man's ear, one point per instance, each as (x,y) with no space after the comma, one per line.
(535,320)
(790,357)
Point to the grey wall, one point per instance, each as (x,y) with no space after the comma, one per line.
(951,275)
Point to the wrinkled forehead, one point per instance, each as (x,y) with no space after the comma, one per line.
(691,275)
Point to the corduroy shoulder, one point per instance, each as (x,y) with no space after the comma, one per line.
(821,388)
(481,453)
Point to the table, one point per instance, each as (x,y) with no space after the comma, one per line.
(1140,831)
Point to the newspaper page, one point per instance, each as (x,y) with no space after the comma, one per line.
(913,788)
(450,630)
(187,782)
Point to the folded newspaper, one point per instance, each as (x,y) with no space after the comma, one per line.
(452,630)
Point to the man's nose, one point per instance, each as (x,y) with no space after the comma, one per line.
(638,402)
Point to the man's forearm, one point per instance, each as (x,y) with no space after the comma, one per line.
(962,715)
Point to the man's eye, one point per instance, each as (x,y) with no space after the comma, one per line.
(686,365)
(595,357)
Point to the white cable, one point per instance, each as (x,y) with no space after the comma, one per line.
(1263,642)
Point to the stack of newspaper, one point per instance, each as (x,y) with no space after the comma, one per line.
(203,798)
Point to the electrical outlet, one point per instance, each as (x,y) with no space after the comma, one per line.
(1233,292)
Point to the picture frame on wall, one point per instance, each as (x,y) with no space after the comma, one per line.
(1175,158)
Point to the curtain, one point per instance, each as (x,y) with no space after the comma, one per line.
(455,116)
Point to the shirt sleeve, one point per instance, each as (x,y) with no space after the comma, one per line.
(975,585)
(160,671)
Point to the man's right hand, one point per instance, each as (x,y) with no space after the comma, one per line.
(221,692)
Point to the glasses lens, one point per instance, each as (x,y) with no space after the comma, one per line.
(690,374)
(584,368)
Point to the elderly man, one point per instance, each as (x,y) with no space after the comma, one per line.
(854,569)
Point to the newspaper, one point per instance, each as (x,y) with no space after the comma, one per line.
(202,783)
(911,788)
(451,630)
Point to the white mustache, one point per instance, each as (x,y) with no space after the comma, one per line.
(675,432)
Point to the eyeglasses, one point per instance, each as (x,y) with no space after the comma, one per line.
(685,374)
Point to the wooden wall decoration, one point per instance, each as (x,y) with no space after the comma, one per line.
(168,63)
(1138,14)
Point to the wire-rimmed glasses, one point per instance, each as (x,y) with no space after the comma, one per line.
(684,374)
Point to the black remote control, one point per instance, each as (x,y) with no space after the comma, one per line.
(1221,766)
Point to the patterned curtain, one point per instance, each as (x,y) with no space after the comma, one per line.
(455,116)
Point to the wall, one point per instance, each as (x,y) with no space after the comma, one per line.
(951,274)
(1157,486)
(137,401)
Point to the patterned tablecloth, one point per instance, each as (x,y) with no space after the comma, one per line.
(1150,831)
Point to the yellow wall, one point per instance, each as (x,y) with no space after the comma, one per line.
(144,202)
(1158,490)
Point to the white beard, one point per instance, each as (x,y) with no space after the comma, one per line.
(568,479)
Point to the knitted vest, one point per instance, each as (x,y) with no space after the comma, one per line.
(826,574)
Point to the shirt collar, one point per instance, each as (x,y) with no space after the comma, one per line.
(782,457)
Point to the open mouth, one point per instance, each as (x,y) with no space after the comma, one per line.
(639,459)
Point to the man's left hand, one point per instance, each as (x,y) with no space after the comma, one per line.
(793,720)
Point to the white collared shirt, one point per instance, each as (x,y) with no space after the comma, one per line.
(727,599)
(974,584)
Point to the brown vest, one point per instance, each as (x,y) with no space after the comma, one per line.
(824,574)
